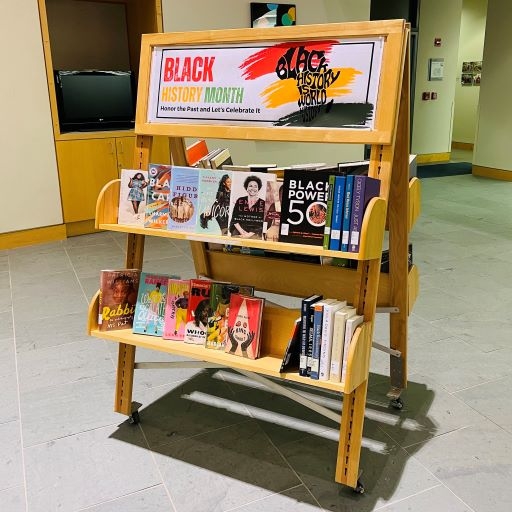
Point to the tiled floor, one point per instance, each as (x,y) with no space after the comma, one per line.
(211,441)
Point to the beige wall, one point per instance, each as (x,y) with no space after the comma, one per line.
(432,124)
(494,131)
(472,33)
(222,14)
(30,191)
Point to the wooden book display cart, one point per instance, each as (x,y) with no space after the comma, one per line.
(378,51)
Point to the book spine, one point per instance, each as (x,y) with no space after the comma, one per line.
(318,313)
(350,329)
(356,213)
(337,213)
(347,205)
(338,339)
(329,212)
(309,347)
(327,332)
(303,362)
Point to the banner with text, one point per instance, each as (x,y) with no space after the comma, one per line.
(330,84)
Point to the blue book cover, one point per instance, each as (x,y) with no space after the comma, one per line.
(337,213)
(329,212)
(183,199)
(365,188)
(213,203)
(150,306)
(347,205)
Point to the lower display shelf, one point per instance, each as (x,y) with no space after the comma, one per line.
(277,327)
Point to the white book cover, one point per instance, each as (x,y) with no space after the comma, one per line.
(327,330)
(338,341)
(350,329)
(132,197)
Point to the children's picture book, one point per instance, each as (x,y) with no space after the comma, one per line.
(117,298)
(304,206)
(247,203)
(150,307)
(183,199)
(272,216)
(158,190)
(176,308)
(198,312)
(132,197)
(213,203)
(220,294)
(244,325)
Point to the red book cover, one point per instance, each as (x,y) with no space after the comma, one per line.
(244,325)
(117,299)
(176,308)
(199,310)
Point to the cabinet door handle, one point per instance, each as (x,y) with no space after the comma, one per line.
(111,147)
(121,150)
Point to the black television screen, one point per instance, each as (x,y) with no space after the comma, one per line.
(95,100)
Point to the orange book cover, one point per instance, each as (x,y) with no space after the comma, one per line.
(196,151)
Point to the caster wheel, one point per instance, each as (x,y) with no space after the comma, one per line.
(134,418)
(397,403)
(359,488)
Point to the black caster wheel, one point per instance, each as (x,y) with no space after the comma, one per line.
(134,418)
(397,403)
(359,488)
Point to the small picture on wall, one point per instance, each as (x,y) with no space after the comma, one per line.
(476,78)
(471,72)
(272,15)
(466,79)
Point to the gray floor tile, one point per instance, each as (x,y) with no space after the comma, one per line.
(297,499)
(5,301)
(87,261)
(102,238)
(36,263)
(492,400)
(11,458)
(236,465)
(53,412)
(5,279)
(88,468)
(49,285)
(4,261)
(475,463)
(154,499)
(9,403)
(58,330)
(13,499)
(67,363)
(6,325)
(438,498)
(174,265)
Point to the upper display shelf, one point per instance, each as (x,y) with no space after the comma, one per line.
(313,83)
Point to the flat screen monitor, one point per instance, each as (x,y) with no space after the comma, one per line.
(95,100)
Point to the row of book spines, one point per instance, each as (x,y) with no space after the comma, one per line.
(327,328)
(347,200)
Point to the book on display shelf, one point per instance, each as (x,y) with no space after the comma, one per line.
(304,331)
(350,329)
(291,356)
(176,307)
(132,197)
(220,159)
(157,196)
(195,152)
(220,295)
(338,341)
(183,199)
(327,336)
(150,307)
(213,202)
(199,310)
(272,215)
(318,315)
(244,325)
(117,298)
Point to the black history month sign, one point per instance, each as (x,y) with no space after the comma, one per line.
(331,83)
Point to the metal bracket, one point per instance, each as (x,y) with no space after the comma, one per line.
(387,309)
(390,351)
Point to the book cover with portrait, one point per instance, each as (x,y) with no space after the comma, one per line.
(213,204)
(132,197)
(158,189)
(150,306)
(176,307)
(199,310)
(183,199)
(117,298)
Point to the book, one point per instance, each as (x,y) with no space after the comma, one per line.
(117,298)
(350,329)
(198,311)
(291,356)
(247,203)
(249,168)
(150,307)
(272,215)
(205,162)
(176,307)
(304,333)
(318,314)
(337,213)
(220,294)
(244,325)
(304,206)
(327,333)
(365,188)
(132,197)
(158,190)
(347,207)
(220,159)
(328,215)
(195,152)
(213,202)
(338,341)
(183,199)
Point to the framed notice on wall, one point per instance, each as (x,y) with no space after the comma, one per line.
(318,83)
